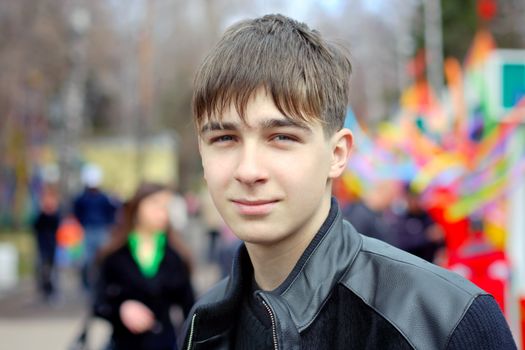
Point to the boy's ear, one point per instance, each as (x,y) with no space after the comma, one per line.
(342,142)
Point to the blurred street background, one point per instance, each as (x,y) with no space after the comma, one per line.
(96,94)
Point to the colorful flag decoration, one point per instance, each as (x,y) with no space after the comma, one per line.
(453,144)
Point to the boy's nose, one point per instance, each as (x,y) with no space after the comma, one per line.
(250,168)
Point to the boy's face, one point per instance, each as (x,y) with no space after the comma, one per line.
(270,177)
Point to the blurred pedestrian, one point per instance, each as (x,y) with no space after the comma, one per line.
(227,246)
(417,233)
(95,210)
(214,224)
(142,275)
(45,226)
(374,214)
(179,220)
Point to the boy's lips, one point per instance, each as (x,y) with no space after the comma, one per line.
(254,207)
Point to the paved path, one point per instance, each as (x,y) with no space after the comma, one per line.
(27,323)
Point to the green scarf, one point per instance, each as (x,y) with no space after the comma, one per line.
(148,268)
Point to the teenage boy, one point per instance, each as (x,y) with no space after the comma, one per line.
(269,105)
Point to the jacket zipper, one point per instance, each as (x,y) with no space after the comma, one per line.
(190,338)
(274,327)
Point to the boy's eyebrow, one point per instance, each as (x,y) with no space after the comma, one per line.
(279,123)
(214,126)
(265,124)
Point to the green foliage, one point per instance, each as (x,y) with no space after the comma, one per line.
(460,23)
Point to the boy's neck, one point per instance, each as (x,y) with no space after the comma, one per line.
(273,263)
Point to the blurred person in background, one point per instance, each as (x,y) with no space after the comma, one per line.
(373,215)
(227,246)
(222,242)
(417,233)
(214,224)
(45,226)
(142,275)
(95,211)
(178,212)
(179,220)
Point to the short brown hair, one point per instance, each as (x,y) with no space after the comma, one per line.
(306,76)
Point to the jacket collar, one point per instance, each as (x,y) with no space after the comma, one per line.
(322,265)
(303,293)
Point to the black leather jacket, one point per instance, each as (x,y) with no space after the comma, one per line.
(423,302)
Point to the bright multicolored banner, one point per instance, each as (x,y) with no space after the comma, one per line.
(453,144)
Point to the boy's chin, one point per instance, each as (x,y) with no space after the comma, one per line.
(261,238)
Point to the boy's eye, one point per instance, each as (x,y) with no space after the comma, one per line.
(282,137)
(222,138)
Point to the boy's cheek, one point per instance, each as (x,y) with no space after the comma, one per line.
(214,174)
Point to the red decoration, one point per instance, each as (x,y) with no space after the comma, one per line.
(487,9)
(484,266)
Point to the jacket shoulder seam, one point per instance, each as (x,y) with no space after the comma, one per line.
(392,323)
(468,294)
(465,310)
(480,292)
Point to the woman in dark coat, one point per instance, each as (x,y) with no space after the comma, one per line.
(142,275)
